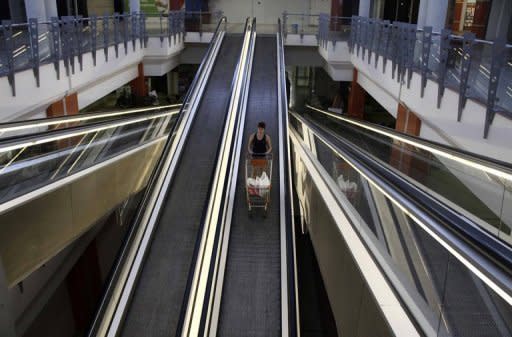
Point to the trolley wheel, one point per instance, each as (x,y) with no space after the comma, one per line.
(265,212)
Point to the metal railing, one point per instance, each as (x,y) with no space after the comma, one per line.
(299,23)
(324,26)
(333,29)
(174,23)
(30,45)
(67,39)
(476,69)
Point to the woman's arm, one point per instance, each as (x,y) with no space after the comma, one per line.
(269,145)
(249,145)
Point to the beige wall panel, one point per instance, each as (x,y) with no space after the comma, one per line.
(36,231)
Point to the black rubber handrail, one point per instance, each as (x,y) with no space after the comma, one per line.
(290,258)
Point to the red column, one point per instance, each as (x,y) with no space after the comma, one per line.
(176,5)
(457,15)
(55,109)
(356,99)
(482,10)
(72,104)
(403,156)
(66,106)
(138,85)
(336,7)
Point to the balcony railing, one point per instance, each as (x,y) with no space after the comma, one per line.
(324,27)
(33,44)
(476,69)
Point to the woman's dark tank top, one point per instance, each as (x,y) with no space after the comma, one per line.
(259,145)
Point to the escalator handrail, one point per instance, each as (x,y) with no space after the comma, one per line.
(144,203)
(19,142)
(487,164)
(293,318)
(40,122)
(488,257)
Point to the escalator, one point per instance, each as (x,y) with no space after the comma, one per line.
(161,290)
(153,286)
(450,270)
(254,253)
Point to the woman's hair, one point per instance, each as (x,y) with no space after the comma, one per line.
(261,125)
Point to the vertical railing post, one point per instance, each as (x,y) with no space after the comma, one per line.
(411,30)
(143,29)
(134,29)
(9,49)
(79,29)
(33,30)
(116,34)
(94,30)
(106,35)
(425,55)
(126,33)
(372,34)
(498,60)
(66,43)
(467,45)
(161,35)
(56,50)
(366,25)
(170,26)
(351,37)
(386,37)
(394,52)
(378,37)
(444,47)
(302,27)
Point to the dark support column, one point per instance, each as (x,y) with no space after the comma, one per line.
(336,7)
(356,99)
(457,15)
(139,88)
(482,10)
(84,287)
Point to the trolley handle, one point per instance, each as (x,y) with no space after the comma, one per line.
(267,156)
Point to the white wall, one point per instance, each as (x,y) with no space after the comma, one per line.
(319,6)
(432,13)
(266,11)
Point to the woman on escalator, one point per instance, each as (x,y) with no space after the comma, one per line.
(259,142)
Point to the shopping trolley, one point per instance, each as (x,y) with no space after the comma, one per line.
(258,177)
